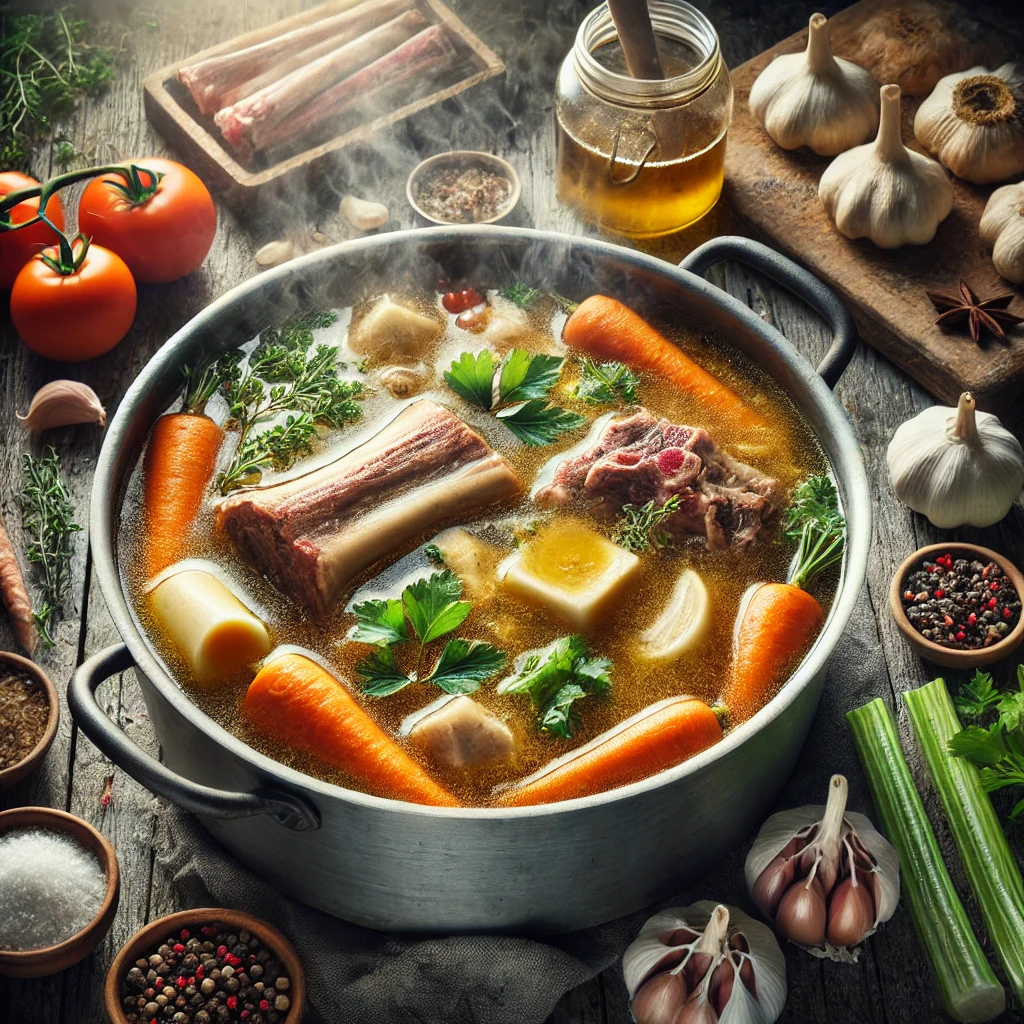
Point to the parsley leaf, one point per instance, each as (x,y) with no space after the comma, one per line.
(381,674)
(434,554)
(525,376)
(999,753)
(555,678)
(977,696)
(536,423)
(1011,705)
(814,520)
(607,383)
(522,295)
(465,664)
(639,527)
(471,377)
(379,622)
(433,605)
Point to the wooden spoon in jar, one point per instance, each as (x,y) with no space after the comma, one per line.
(633,24)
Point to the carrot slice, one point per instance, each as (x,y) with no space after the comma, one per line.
(661,736)
(778,624)
(606,329)
(296,701)
(180,460)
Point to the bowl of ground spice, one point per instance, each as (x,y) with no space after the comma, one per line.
(206,966)
(59,883)
(29,711)
(463,187)
(959,605)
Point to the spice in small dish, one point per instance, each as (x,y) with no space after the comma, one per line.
(52,886)
(24,713)
(465,195)
(207,975)
(959,603)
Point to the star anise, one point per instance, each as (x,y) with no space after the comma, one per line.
(981,314)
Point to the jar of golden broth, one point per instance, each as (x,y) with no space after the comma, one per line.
(641,157)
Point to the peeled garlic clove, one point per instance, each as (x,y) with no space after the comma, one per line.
(658,1000)
(851,912)
(275,253)
(801,915)
(1002,227)
(362,214)
(63,403)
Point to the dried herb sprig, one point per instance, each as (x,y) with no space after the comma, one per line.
(48,518)
(640,526)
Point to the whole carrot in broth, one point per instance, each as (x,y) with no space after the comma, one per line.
(13,595)
(606,329)
(780,620)
(661,736)
(294,700)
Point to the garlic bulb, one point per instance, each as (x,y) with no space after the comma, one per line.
(1002,227)
(824,875)
(973,121)
(883,191)
(703,964)
(956,466)
(814,99)
(63,403)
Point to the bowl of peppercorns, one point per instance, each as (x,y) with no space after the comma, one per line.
(208,966)
(958,605)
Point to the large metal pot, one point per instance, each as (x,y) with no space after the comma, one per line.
(394,865)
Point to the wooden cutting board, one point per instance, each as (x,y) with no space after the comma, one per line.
(775,193)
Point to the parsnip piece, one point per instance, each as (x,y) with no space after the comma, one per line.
(394,331)
(681,624)
(214,631)
(457,731)
(573,570)
(471,559)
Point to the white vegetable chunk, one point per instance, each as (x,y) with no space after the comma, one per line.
(681,624)
(391,330)
(457,731)
(215,633)
(572,570)
(471,559)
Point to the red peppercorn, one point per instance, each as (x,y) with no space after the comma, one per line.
(221,950)
(1007,614)
(200,971)
(940,593)
(185,934)
(948,619)
(908,595)
(264,1005)
(961,635)
(992,602)
(178,948)
(244,1015)
(994,585)
(232,1002)
(182,981)
(972,619)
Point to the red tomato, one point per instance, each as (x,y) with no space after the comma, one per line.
(161,238)
(458,302)
(76,316)
(18,247)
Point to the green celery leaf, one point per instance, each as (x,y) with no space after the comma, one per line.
(536,423)
(525,376)
(471,378)
(465,664)
(607,383)
(379,622)
(977,696)
(433,605)
(1011,707)
(380,673)
(978,744)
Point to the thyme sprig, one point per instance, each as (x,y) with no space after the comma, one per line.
(640,526)
(48,518)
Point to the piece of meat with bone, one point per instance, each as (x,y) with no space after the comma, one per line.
(314,534)
(640,459)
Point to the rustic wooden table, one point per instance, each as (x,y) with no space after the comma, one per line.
(513,118)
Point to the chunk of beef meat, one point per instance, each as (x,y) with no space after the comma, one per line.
(640,459)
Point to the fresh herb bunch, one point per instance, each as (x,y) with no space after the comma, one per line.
(998,748)
(521,294)
(640,526)
(48,518)
(555,678)
(428,610)
(606,383)
(813,520)
(46,66)
(284,376)
(524,383)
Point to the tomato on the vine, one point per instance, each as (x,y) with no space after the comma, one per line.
(18,247)
(161,228)
(73,302)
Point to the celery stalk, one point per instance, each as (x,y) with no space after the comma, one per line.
(969,989)
(990,866)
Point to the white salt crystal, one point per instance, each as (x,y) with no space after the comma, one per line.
(51,887)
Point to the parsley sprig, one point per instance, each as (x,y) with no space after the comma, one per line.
(524,382)
(606,383)
(555,678)
(640,526)
(815,522)
(428,610)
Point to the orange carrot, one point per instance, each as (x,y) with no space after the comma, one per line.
(661,736)
(606,329)
(296,701)
(180,460)
(14,597)
(778,624)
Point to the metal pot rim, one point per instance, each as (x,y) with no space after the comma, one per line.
(848,464)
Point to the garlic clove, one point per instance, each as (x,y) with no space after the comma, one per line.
(720,989)
(63,403)
(362,214)
(1002,227)
(697,1011)
(773,881)
(275,253)
(659,1000)
(801,915)
(851,912)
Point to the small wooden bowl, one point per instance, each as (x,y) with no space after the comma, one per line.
(155,932)
(460,159)
(22,666)
(36,963)
(934,652)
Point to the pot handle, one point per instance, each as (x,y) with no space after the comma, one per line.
(291,811)
(800,282)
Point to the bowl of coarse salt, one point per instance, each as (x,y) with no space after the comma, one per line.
(60,884)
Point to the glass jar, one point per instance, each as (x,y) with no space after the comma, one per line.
(641,157)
